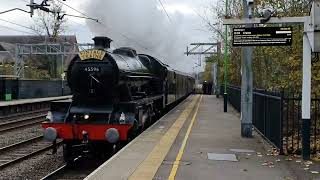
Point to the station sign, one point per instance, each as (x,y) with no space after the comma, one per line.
(262,36)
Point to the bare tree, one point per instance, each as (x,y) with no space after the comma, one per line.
(50,24)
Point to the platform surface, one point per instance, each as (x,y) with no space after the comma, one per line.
(33,100)
(195,141)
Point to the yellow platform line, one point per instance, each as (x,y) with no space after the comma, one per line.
(183,145)
(149,167)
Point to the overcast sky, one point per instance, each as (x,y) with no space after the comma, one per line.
(190,27)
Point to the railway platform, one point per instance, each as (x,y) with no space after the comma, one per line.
(198,141)
(32,100)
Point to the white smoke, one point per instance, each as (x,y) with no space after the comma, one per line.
(141,24)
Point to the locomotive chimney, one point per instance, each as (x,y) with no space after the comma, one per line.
(101,42)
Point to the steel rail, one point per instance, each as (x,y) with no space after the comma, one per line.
(54,173)
(17,115)
(61,170)
(34,153)
(12,146)
(11,125)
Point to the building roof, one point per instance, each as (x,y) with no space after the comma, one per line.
(36,39)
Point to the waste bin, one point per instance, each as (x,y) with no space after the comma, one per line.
(8,97)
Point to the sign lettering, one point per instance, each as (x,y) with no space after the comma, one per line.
(262,36)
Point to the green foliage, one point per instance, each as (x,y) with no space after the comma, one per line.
(34,69)
(207,72)
(6,69)
(42,67)
(207,76)
(275,68)
(34,73)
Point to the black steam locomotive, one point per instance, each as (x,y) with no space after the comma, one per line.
(115,95)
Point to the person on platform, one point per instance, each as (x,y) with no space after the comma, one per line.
(205,87)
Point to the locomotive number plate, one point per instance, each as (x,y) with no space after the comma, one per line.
(92,69)
(92,54)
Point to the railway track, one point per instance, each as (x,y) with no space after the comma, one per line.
(80,169)
(15,116)
(21,122)
(20,151)
(56,173)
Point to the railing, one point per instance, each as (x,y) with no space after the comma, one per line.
(277,116)
(267,117)
(292,121)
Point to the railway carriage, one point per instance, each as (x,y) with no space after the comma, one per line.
(115,96)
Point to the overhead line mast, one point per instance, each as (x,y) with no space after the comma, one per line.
(225,94)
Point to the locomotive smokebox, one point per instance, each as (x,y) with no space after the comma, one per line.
(102,42)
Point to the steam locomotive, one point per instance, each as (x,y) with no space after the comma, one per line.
(116,94)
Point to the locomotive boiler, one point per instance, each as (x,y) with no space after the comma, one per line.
(116,94)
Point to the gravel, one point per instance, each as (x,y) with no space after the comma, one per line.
(45,163)
(81,169)
(19,135)
(34,168)
(39,166)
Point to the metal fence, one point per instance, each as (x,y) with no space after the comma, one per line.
(267,117)
(277,116)
(234,97)
(292,125)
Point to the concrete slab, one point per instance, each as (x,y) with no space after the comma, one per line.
(222,157)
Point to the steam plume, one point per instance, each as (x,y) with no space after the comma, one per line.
(141,24)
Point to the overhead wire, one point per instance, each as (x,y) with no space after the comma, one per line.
(84,14)
(13,29)
(165,10)
(68,14)
(207,22)
(16,24)
(203,18)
